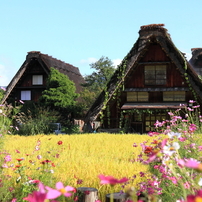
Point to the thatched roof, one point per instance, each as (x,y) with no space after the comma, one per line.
(196,59)
(46,62)
(147,35)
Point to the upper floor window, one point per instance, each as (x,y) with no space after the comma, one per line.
(25,95)
(155,74)
(174,96)
(37,80)
(137,96)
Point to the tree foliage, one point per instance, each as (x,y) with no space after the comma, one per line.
(97,81)
(60,93)
(2,93)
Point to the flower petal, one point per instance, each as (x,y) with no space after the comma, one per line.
(52,193)
(69,188)
(67,194)
(59,185)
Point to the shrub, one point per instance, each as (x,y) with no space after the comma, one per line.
(35,123)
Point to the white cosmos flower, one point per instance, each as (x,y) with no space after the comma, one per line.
(171,149)
(200,182)
(173,134)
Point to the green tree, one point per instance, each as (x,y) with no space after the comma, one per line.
(60,94)
(97,81)
(86,99)
(2,93)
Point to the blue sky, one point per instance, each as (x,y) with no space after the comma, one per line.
(79,32)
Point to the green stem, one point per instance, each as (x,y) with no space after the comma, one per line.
(63,198)
(111,197)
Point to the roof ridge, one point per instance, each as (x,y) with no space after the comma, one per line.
(57,59)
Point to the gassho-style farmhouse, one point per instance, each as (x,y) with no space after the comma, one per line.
(153,78)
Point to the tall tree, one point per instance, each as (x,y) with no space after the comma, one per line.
(2,92)
(97,81)
(60,93)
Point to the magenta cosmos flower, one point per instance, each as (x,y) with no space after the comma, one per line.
(36,197)
(111,180)
(194,198)
(60,190)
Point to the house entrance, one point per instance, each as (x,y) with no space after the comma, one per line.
(136,125)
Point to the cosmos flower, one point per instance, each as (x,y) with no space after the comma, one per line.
(60,190)
(171,149)
(111,180)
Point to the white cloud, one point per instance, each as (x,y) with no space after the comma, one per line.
(88,60)
(116,62)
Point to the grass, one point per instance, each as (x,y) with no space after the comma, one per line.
(78,157)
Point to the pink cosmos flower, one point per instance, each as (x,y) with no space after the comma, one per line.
(182,139)
(186,185)
(7,158)
(196,106)
(111,180)
(192,101)
(153,133)
(60,190)
(193,163)
(180,162)
(199,148)
(37,196)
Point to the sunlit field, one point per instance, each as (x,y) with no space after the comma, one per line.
(75,160)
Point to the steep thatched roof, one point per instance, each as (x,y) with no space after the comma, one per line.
(46,62)
(147,35)
(196,60)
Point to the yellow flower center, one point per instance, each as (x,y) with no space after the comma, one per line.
(62,190)
(198,199)
(199,167)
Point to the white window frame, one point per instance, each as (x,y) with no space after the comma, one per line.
(26,95)
(37,80)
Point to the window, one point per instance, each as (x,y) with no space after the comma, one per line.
(150,120)
(137,96)
(155,74)
(26,95)
(174,96)
(37,79)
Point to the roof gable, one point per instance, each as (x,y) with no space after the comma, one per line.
(149,35)
(45,62)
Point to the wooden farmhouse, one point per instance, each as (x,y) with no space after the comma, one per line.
(30,80)
(153,78)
